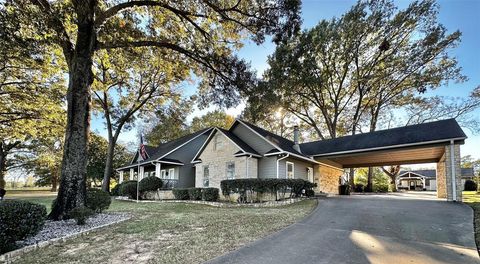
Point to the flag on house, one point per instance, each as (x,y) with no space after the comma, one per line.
(142,151)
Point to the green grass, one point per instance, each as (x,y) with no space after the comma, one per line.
(170,233)
(472,198)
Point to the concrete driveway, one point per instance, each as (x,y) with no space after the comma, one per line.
(391,228)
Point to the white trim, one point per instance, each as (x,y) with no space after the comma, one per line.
(419,175)
(170,173)
(120,180)
(387,147)
(330,166)
(286,169)
(163,174)
(132,174)
(251,129)
(292,154)
(170,162)
(158,168)
(247,154)
(231,140)
(278,160)
(203,145)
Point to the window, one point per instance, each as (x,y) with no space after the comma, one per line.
(230,170)
(290,174)
(163,174)
(171,174)
(217,142)
(206,176)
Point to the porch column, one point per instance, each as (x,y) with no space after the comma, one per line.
(132,174)
(141,173)
(120,180)
(449,179)
(158,167)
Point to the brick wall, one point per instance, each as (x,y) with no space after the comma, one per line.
(327,178)
(444,175)
(217,158)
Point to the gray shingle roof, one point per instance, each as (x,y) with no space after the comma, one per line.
(466,172)
(443,130)
(244,146)
(163,149)
(283,143)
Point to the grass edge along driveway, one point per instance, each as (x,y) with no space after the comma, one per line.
(472,199)
(171,233)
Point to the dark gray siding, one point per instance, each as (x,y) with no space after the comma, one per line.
(185,154)
(255,141)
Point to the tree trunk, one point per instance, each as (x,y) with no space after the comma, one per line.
(109,164)
(351,178)
(72,189)
(54,182)
(3,169)
(369,180)
(393,186)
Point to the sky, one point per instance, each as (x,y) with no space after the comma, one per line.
(460,15)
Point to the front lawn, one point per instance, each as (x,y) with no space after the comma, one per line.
(170,233)
(472,198)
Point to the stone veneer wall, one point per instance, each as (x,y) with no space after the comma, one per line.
(327,178)
(216,160)
(444,175)
(441,179)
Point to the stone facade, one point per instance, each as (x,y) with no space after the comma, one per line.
(441,179)
(327,178)
(444,174)
(218,152)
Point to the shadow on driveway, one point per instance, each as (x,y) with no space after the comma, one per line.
(370,229)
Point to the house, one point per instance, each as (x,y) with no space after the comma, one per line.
(206,157)
(426,179)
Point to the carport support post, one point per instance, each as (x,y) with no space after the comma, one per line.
(452,159)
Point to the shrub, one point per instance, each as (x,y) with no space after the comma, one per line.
(380,188)
(180,193)
(115,191)
(358,187)
(18,220)
(309,193)
(151,183)
(470,185)
(344,189)
(210,194)
(81,214)
(98,200)
(195,193)
(296,187)
(129,188)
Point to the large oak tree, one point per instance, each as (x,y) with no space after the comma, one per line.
(205,33)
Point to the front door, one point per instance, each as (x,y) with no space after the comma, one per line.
(412,185)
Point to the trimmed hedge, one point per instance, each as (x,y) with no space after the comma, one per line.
(195,193)
(210,194)
(470,185)
(359,187)
(151,183)
(18,220)
(205,194)
(129,188)
(180,193)
(81,214)
(295,187)
(98,200)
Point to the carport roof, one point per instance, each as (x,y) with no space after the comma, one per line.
(414,135)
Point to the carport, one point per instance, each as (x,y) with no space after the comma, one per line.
(435,142)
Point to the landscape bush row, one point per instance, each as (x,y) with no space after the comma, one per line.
(243,187)
(129,188)
(204,194)
(21,219)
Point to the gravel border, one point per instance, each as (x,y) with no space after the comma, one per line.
(55,232)
(222,204)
